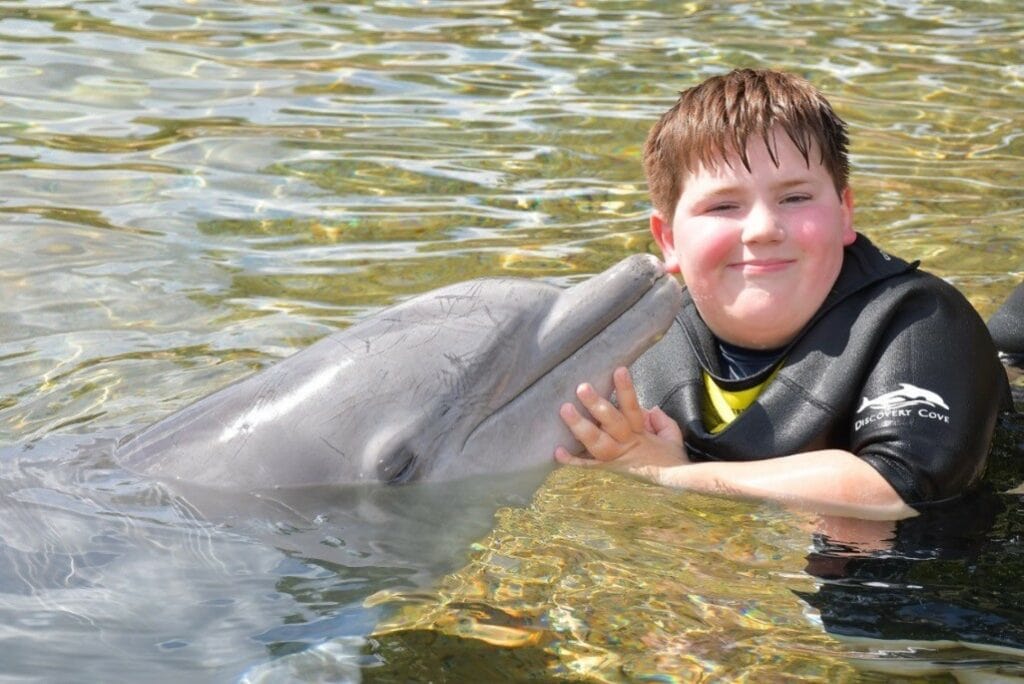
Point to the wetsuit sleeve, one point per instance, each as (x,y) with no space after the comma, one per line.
(926,412)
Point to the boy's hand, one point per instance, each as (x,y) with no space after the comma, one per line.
(626,438)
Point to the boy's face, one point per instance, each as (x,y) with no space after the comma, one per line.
(759,250)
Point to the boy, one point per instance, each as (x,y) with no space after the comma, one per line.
(806,366)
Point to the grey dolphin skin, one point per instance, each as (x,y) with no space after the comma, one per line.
(461,381)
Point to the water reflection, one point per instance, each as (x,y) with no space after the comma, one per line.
(194,190)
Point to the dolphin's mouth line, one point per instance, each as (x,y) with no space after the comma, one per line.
(660,283)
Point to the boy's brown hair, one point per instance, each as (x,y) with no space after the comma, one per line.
(720,115)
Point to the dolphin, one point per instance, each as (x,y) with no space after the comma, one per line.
(459,382)
(378,454)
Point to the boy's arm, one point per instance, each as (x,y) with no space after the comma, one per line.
(649,446)
(928,408)
(830,482)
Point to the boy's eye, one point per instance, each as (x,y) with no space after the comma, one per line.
(795,199)
(722,206)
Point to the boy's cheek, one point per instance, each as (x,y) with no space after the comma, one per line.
(705,245)
(818,230)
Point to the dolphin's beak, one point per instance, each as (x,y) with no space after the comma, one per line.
(590,329)
(586,309)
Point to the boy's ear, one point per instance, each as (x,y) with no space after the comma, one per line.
(849,234)
(662,232)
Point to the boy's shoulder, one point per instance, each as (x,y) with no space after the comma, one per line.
(875,274)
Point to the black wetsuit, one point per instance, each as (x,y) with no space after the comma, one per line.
(896,367)
(1007,328)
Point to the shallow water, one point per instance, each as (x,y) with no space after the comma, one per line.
(195,189)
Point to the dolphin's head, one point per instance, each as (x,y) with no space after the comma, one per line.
(461,381)
(468,379)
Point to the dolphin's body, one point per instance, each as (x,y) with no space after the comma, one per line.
(461,381)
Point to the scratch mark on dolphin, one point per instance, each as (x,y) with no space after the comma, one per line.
(332,447)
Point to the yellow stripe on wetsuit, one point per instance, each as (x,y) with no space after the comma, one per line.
(721,407)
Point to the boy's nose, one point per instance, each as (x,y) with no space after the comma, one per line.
(762,225)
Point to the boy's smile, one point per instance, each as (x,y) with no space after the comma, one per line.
(760,249)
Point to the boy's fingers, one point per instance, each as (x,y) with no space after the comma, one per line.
(563,456)
(595,440)
(605,413)
(664,426)
(629,405)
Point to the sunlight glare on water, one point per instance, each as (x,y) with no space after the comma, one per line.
(193,190)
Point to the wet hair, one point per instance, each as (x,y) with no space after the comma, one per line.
(717,118)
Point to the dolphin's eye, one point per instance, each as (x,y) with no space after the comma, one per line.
(397,467)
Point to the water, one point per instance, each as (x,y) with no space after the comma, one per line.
(195,189)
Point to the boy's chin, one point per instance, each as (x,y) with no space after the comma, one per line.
(758,330)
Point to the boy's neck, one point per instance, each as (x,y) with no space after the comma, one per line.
(741,362)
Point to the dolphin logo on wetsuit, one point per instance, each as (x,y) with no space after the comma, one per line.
(906,395)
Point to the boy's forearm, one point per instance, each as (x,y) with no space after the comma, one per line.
(831,482)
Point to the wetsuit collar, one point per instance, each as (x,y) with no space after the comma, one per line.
(863,266)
